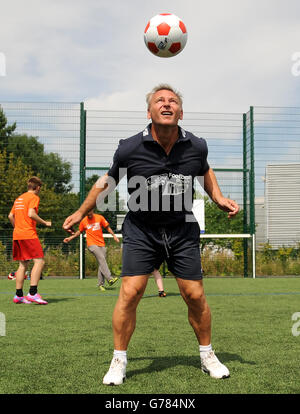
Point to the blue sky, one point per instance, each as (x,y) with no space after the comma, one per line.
(238,53)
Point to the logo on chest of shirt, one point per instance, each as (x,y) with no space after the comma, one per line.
(170,183)
(93,227)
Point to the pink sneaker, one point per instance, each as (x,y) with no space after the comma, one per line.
(20,299)
(36,299)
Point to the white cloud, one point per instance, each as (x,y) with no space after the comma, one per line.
(238,53)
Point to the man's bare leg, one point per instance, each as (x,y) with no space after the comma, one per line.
(124,320)
(124,315)
(20,274)
(36,271)
(199,314)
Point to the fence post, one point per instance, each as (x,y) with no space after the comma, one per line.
(252,188)
(253,256)
(245,210)
(82,178)
(2,324)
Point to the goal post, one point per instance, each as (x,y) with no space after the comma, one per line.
(249,236)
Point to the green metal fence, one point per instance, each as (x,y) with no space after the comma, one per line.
(69,147)
(276,134)
(225,135)
(44,141)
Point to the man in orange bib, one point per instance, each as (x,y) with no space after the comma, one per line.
(26,245)
(92,226)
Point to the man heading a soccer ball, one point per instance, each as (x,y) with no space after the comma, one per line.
(163,152)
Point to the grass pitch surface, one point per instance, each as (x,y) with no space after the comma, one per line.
(66,346)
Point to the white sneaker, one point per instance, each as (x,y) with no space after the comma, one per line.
(212,366)
(116,373)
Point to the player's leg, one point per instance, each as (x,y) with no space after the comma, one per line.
(124,321)
(138,262)
(103,270)
(20,276)
(185,263)
(100,278)
(199,314)
(124,315)
(38,265)
(104,266)
(159,282)
(200,318)
(33,295)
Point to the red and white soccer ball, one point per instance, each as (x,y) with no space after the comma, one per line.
(165,35)
(12,276)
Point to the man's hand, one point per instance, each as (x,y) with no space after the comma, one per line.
(71,220)
(116,239)
(67,239)
(228,205)
(48,223)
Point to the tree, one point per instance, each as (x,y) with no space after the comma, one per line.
(14,174)
(50,167)
(217,222)
(56,207)
(54,172)
(5,130)
(53,206)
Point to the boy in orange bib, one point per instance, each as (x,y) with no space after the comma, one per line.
(92,225)
(26,245)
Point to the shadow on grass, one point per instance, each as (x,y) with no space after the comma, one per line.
(56,300)
(162,363)
(113,288)
(155,295)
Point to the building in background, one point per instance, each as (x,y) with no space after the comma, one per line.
(277,215)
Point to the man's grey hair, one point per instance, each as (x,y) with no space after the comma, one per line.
(163,86)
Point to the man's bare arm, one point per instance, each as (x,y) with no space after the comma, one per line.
(112,233)
(11,219)
(34,216)
(101,188)
(212,188)
(68,239)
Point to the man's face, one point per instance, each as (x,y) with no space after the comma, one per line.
(90,214)
(165,108)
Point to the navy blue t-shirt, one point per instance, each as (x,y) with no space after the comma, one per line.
(161,186)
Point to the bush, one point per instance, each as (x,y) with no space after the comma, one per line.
(284,261)
(216,261)
(6,266)
(58,263)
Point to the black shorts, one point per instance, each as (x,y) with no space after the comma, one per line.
(145,248)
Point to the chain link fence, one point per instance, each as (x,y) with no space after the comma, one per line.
(69,148)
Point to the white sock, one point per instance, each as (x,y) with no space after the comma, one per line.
(204,349)
(121,355)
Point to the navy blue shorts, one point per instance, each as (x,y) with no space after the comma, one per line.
(145,248)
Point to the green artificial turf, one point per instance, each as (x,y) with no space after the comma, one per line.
(66,346)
